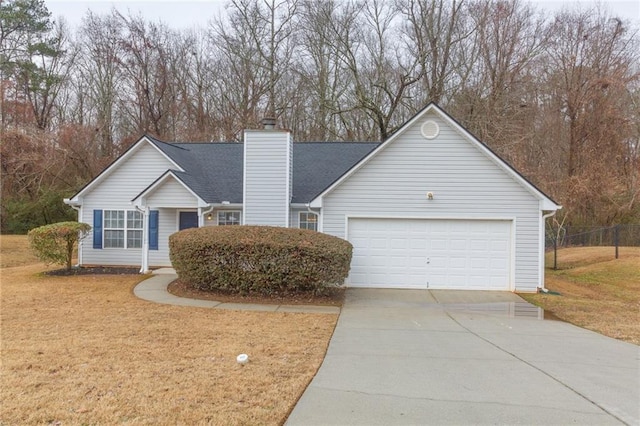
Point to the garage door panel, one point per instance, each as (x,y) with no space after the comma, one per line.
(417,262)
(379,243)
(479,245)
(458,244)
(398,262)
(408,253)
(497,264)
(458,263)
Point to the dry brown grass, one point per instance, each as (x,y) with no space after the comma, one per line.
(15,251)
(597,291)
(85,350)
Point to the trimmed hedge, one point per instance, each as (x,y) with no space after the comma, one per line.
(259,259)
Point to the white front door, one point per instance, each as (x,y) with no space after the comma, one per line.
(426,253)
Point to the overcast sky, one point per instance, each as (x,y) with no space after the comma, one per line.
(185,14)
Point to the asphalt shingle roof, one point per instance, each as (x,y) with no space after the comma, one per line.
(214,170)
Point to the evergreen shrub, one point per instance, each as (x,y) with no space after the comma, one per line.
(259,259)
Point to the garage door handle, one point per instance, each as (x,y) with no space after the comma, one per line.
(428,260)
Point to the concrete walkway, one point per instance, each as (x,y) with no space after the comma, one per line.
(456,357)
(154,289)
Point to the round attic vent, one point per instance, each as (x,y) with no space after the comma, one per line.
(430,129)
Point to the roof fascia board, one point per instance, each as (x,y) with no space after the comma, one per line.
(77,197)
(159,182)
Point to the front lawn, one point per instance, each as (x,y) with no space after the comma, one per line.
(85,350)
(597,291)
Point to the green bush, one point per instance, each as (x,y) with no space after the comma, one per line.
(259,259)
(55,243)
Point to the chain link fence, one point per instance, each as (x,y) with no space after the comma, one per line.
(615,236)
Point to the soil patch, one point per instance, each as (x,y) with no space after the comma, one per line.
(97,270)
(333,296)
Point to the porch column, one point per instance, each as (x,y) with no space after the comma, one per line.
(144,267)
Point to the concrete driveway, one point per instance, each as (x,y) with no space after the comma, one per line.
(458,357)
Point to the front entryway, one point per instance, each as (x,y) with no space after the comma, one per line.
(430,253)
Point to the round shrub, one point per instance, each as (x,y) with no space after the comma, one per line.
(259,259)
(55,243)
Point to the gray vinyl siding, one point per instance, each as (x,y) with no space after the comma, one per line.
(167,225)
(267,177)
(172,194)
(295,218)
(115,192)
(466,184)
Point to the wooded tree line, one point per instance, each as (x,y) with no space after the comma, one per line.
(556,95)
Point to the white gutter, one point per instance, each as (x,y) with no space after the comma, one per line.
(543,222)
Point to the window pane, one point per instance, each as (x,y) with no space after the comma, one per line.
(113,239)
(134,219)
(228,218)
(134,239)
(309,221)
(114,219)
(107,218)
(120,219)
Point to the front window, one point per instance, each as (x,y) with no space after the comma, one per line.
(308,221)
(228,218)
(120,232)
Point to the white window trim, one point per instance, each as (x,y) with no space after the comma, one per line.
(307,221)
(228,211)
(125,229)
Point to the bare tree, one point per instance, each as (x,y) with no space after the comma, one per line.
(593,63)
(100,78)
(146,66)
(438,33)
(381,74)
(500,101)
(314,112)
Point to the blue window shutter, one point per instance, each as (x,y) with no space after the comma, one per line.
(153,230)
(97,229)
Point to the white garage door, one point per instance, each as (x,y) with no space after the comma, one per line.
(435,254)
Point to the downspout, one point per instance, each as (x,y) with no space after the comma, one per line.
(144,267)
(76,208)
(543,225)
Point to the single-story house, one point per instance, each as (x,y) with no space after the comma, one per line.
(430,207)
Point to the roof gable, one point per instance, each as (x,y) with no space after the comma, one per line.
(169,175)
(546,202)
(118,162)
